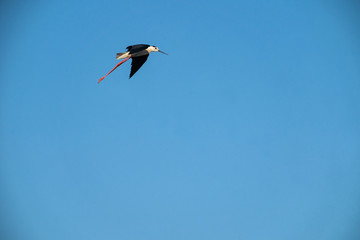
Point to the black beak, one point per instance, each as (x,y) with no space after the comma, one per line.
(163,52)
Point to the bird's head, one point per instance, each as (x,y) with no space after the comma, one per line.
(155,49)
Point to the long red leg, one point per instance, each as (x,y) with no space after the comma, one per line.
(114,68)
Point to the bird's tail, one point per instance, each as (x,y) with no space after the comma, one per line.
(122,55)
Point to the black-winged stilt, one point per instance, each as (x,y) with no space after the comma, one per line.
(139,54)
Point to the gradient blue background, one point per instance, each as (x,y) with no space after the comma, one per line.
(248,129)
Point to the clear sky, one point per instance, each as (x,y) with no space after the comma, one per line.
(248,130)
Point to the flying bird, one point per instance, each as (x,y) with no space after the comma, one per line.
(138,53)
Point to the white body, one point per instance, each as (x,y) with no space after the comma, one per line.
(127,54)
(123,55)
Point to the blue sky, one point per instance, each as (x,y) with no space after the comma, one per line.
(248,129)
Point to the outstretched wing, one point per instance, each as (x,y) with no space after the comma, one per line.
(137,48)
(136,63)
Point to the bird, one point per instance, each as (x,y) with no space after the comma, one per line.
(138,53)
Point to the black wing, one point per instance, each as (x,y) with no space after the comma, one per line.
(136,63)
(137,48)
